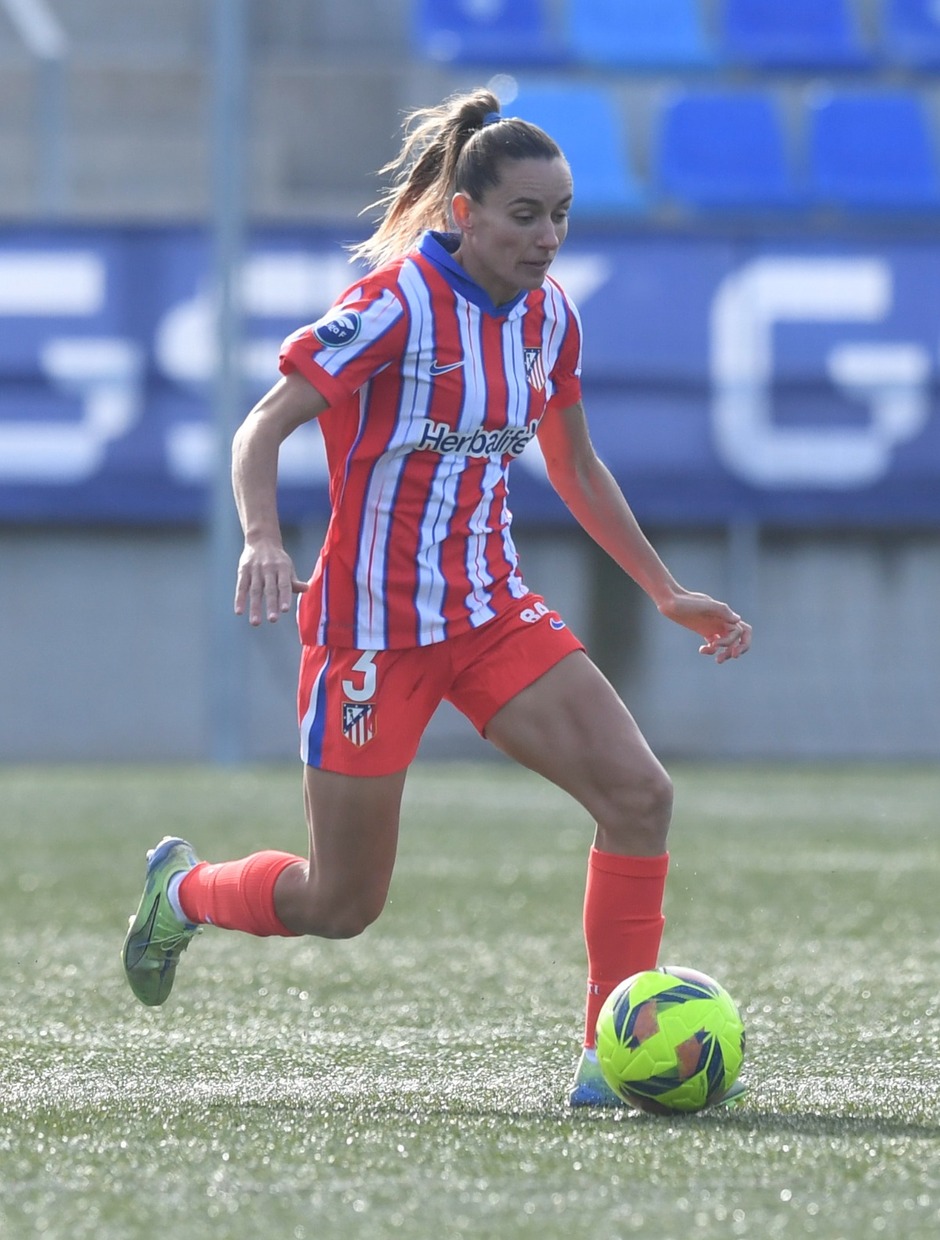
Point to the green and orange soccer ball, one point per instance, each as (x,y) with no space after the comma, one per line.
(670,1039)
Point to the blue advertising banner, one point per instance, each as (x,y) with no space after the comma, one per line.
(778,381)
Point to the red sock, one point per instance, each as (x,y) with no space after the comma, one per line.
(237,895)
(623,923)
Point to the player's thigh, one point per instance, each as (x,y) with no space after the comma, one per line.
(571,726)
(362,714)
(353,823)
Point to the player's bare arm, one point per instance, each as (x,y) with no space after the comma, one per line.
(595,499)
(266,577)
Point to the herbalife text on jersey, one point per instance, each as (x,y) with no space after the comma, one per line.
(511,440)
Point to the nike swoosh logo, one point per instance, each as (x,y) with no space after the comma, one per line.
(442,370)
(138,942)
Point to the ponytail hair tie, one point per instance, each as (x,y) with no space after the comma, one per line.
(491,118)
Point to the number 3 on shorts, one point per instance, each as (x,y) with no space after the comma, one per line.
(366,665)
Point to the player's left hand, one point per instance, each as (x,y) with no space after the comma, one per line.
(726,635)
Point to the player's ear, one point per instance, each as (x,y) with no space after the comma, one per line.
(460,209)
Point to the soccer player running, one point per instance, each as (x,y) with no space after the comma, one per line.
(428,376)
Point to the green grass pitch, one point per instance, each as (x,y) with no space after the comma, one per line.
(412,1083)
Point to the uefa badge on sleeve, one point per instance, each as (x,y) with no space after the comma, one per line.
(338,327)
(359,722)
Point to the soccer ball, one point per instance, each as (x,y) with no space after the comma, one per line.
(670,1039)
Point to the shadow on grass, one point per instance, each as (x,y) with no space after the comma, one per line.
(750,1120)
(799,1123)
(807,1124)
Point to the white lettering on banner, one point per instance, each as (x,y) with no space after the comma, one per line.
(581,275)
(891,378)
(105,373)
(47,283)
(294,285)
(190,453)
(107,377)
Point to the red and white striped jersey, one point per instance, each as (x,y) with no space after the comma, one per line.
(433,391)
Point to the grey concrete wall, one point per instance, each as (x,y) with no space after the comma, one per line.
(844,664)
(104,650)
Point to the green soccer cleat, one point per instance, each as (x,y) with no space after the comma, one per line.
(156,938)
(589,1088)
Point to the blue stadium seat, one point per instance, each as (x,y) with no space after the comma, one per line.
(499,33)
(639,33)
(793,34)
(872,151)
(725,150)
(587,124)
(912,32)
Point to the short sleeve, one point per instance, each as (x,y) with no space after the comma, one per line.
(566,373)
(361,334)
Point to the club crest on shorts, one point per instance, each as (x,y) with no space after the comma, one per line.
(359,722)
(337,328)
(534,370)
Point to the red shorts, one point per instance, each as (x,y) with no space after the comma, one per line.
(363,712)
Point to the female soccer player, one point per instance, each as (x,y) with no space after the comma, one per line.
(428,377)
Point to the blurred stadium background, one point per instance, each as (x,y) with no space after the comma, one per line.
(756,253)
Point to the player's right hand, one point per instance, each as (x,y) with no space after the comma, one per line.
(267,582)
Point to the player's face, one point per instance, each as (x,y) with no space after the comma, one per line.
(509,239)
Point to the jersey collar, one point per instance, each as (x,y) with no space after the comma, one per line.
(438,248)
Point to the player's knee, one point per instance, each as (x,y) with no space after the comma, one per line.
(346,920)
(639,810)
(658,793)
(661,792)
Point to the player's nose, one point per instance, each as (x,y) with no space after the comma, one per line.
(549,238)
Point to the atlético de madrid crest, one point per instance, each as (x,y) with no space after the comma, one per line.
(359,722)
(534,370)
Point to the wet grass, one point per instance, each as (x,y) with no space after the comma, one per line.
(412,1083)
